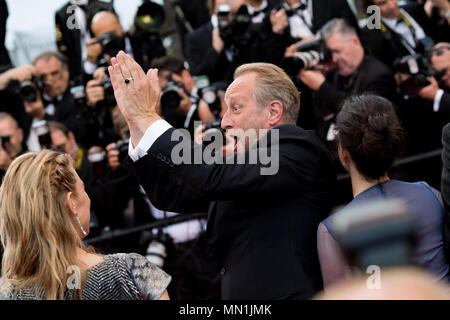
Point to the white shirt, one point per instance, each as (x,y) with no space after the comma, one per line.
(437,100)
(33,144)
(404,30)
(259,17)
(300,29)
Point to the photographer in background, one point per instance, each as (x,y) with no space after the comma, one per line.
(231,38)
(110,38)
(11,142)
(438,90)
(71,40)
(181,96)
(356,72)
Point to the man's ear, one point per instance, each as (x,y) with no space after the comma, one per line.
(275,113)
(344,156)
(70,204)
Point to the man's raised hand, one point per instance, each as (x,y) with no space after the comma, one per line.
(138,99)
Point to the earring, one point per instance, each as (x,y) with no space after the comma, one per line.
(79,222)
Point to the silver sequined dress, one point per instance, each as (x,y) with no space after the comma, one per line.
(118,277)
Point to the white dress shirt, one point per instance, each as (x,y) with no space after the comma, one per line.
(299,28)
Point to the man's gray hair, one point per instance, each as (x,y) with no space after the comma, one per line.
(47,55)
(338,25)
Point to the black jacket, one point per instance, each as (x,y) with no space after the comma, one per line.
(388,46)
(4,57)
(372,77)
(445,187)
(68,41)
(444,106)
(262,228)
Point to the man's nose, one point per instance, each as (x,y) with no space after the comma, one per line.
(226,121)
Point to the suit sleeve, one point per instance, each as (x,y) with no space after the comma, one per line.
(444,105)
(168,183)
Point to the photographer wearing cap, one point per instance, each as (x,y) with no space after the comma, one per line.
(438,90)
(356,72)
(11,142)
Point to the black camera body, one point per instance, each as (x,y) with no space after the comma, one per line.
(210,95)
(170,98)
(111,43)
(235,31)
(419,67)
(110,99)
(4,141)
(29,90)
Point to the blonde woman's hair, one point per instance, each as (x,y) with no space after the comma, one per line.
(37,235)
(272,83)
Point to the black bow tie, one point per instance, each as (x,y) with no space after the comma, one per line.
(293,12)
(82,7)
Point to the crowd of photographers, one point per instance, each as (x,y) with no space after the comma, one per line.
(64,100)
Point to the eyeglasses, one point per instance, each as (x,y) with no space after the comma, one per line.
(439,50)
(61,147)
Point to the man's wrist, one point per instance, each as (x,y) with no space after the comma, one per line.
(139,127)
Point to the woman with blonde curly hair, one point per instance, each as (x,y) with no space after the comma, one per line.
(44,215)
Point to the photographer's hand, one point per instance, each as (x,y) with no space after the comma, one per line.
(21,74)
(94,50)
(279,21)
(113,156)
(429,92)
(138,99)
(94,92)
(312,79)
(217,41)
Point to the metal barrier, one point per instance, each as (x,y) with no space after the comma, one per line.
(109,235)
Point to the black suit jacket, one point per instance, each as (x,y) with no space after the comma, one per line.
(388,46)
(4,57)
(68,41)
(262,228)
(373,77)
(444,106)
(445,187)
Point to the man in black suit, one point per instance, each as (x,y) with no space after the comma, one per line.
(5,62)
(70,40)
(208,54)
(402,28)
(438,90)
(261,223)
(356,72)
(445,187)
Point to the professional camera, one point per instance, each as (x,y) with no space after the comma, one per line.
(111,43)
(211,96)
(122,146)
(170,98)
(110,99)
(29,90)
(419,67)
(42,130)
(234,31)
(310,52)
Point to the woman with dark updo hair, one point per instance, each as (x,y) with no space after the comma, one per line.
(370,137)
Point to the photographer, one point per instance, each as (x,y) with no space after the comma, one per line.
(441,97)
(48,78)
(110,38)
(230,39)
(70,40)
(355,72)
(11,142)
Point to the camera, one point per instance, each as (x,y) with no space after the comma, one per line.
(234,31)
(97,157)
(29,90)
(210,95)
(310,52)
(42,130)
(170,98)
(419,67)
(122,146)
(4,141)
(110,99)
(111,43)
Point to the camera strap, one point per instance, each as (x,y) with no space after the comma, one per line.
(387,32)
(79,162)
